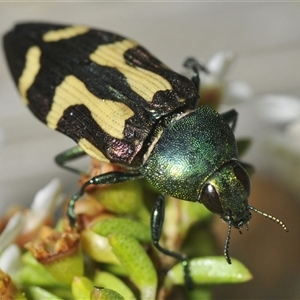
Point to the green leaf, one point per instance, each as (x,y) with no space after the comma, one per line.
(139,266)
(30,275)
(117,270)
(135,229)
(82,288)
(197,293)
(124,198)
(107,280)
(106,294)
(34,273)
(243,145)
(210,270)
(66,267)
(37,293)
(97,247)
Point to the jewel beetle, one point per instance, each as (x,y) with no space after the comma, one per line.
(123,106)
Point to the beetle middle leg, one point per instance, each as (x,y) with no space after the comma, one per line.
(157,221)
(69,155)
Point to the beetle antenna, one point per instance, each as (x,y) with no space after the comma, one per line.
(269,217)
(226,247)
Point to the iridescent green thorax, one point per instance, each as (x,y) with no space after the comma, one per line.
(188,152)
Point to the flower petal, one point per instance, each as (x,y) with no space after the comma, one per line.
(10,260)
(12,230)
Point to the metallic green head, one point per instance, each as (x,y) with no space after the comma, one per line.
(226,193)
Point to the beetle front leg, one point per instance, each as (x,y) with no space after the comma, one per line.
(108,178)
(157,221)
(196,67)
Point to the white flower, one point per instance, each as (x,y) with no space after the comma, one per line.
(11,230)
(214,83)
(10,259)
(44,204)
(277,109)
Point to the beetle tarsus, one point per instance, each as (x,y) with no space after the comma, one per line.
(187,275)
(71,212)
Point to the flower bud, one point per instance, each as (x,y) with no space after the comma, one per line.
(7,288)
(59,252)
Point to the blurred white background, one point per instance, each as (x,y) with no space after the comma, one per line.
(265,37)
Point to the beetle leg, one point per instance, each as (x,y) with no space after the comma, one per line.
(68,155)
(108,178)
(157,221)
(249,168)
(196,67)
(231,118)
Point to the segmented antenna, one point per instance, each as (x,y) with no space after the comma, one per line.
(269,217)
(226,246)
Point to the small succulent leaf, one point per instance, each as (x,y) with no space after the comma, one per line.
(135,229)
(139,266)
(34,273)
(81,287)
(29,275)
(211,270)
(200,292)
(97,247)
(65,268)
(107,280)
(38,293)
(105,294)
(123,198)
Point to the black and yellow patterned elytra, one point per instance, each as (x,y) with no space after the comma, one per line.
(104,91)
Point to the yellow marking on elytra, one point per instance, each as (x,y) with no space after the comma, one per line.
(91,150)
(65,33)
(32,67)
(108,114)
(145,83)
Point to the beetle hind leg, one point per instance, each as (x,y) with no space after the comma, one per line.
(69,155)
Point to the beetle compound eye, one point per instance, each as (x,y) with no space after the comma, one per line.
(243,177)
(211,200)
